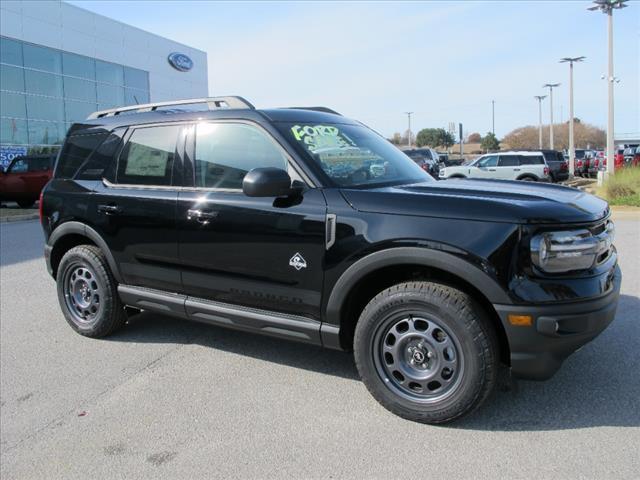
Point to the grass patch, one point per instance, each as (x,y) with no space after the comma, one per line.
(623,188)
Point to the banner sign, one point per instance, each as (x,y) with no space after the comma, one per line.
(8,153)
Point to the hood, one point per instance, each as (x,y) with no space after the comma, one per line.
(486,200)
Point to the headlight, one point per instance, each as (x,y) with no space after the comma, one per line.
(564,251)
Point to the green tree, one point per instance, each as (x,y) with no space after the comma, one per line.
(434,137)
(490,143)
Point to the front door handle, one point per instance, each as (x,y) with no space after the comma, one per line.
(202,216)
(492,169)
(110,209)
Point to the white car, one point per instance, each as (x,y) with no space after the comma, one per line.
(529,166)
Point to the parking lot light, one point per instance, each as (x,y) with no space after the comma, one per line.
(572,147)
(551,86)
(540,98)
(607,7)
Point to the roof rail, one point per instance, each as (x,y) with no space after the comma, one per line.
(317,109)
(213,103)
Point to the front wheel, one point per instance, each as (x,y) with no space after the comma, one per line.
(426,352)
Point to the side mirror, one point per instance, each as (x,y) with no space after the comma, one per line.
(269,182)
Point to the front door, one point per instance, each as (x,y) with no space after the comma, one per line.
(264,253)
(135,209)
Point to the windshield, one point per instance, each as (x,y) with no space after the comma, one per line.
(353,155)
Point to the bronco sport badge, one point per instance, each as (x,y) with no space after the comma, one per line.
(298,262)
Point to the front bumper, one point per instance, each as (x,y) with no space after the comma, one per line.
(558,330)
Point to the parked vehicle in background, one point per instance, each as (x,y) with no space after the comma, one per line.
(519,165)
(426,158)
(628,154)
(25,177)
(306,225)
(619,157)
(581,162)
(636,158)
(558,166)
(596,164)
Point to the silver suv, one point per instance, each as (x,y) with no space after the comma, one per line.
(530,166)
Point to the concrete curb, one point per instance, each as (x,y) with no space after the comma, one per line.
(20,218)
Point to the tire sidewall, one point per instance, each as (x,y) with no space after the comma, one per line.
(72,259)
(387,311)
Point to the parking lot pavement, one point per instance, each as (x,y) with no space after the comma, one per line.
(166,398)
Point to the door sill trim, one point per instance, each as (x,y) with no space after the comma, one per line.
(282,325)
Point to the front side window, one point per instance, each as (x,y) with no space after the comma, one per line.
(226,152)
(490,161)
(353,155)
(19,166)
(148,156)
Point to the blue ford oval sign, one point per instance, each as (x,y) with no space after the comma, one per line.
(180,61)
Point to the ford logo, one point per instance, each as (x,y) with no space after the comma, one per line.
(180,61)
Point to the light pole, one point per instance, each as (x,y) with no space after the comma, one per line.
(551,86)
(493,117)
(607,6)
(540,98)
(572,147)
(409,132)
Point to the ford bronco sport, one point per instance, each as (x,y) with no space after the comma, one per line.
(305,225)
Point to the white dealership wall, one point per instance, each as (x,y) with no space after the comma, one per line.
(56,24)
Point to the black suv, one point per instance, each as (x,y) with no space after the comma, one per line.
(558,166)
(305,225)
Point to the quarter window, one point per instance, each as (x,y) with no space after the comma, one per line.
(531,160)
(225,152)
(147,158)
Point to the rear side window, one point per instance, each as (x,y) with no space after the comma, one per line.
(101,159)
(148,156)
(531,160)
(75,152)
(225,152)
(508,161)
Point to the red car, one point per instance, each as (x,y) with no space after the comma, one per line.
(24,178)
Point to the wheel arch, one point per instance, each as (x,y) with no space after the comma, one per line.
(528,175)
(71,234)
(380,270)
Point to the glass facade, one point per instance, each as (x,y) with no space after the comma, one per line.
(44,90)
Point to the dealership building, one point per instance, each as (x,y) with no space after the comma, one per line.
(59,63)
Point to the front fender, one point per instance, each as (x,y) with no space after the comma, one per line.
(426,257)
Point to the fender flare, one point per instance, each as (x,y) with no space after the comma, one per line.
(530,175)
(78,228)
(427,257)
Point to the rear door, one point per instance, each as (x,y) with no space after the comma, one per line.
(266,253)
(134,206)
(508,167)
(533,165)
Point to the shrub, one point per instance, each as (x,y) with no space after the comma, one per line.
(623,188)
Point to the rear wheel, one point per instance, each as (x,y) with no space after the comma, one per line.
(528,179)
(87,292)
(426,352)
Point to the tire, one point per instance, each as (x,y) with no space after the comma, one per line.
(528,179)
(445,329)
(25,203)
(87,293)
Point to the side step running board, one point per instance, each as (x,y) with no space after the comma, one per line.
(276,324)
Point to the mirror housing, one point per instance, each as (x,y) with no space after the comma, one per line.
(269,182)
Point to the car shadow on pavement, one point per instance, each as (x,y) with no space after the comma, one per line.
(597,386)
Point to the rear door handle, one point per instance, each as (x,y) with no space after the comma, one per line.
(516,169)
(109,209)
(492,169)
(202,216)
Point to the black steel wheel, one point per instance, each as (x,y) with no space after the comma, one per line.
(426,351)
(87,292)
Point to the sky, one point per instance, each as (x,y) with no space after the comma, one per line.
(443,60)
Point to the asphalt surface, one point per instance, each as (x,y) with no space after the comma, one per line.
(170,399)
